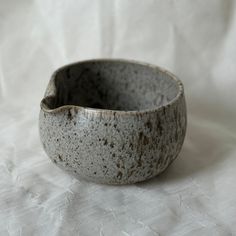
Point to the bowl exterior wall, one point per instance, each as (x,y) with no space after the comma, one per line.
(113,147)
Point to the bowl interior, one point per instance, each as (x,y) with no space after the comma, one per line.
(113,85)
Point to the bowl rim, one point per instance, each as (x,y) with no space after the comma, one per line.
(99,111)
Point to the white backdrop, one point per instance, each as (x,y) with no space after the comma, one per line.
(196,40)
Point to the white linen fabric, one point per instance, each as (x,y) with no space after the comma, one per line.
(196,40)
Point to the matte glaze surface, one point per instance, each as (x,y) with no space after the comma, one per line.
(113,121)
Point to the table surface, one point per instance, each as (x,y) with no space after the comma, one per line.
(195,40)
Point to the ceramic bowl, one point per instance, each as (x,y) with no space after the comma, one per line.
(113,121)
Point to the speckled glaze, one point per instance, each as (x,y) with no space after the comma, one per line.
(113,121)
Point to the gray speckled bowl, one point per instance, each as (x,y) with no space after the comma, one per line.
(113,121)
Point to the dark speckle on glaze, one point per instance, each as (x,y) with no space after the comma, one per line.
(112,145)
(119,175)
(69,115)
(135,129)
(143,139)
(148,124)
(105,142)
(59,157)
